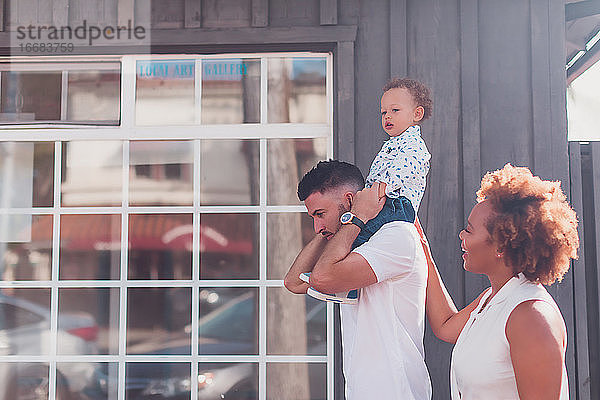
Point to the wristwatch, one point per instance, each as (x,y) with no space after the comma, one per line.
(349,218)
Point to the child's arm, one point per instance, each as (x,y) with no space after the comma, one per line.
(445,319)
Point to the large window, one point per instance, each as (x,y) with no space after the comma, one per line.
(148,214)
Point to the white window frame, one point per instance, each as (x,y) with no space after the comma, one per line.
(128,131)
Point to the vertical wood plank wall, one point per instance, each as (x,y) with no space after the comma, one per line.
(496,70)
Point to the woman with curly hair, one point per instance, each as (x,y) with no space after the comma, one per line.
(511,340)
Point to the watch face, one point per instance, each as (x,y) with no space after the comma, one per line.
(346,217)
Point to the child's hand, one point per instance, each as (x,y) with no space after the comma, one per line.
(381,189)
(366,203)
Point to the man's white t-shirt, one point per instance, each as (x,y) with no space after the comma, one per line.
(382,335)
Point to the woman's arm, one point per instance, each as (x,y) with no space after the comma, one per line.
(537,337)
(444,318)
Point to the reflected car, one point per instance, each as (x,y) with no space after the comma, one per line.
(227,330)
(25,330)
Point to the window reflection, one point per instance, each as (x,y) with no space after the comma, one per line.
(30,96)
(161,173)
(295,324)
(25,322)
(228,381)
(92,316)
(90,246)
(27,254)
(92,173)
(165,92)
(228,321)
(229,172)
(296,381)
(26,174)
(160,246)
(287,234)
(229,246)
(230,91)
(297,90)
(26,381)
(90,380)
(158,319)
(288,160)
(94,96)
(158,380)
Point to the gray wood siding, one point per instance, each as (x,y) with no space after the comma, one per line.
(496,70)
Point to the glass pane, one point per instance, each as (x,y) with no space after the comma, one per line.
(26,174)
(161,173)
(288,160)
(229,246)
(287,234)
(296,90)
(228,321)
(103,161)
(30,96)
(160,246)
(25,381)
(230,91)
(229,172)
(89,380)
(227,381)
(295,324)
(25,321)
(164,92)
(158,320)
(296,381)
(90,246)
(88,320)
(94,96)
(157,381)
(26,247)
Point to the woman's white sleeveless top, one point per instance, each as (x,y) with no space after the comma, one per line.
(481,364)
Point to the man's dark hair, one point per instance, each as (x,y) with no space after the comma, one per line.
(328,175)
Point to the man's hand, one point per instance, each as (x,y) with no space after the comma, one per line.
(304,262)
(366,203)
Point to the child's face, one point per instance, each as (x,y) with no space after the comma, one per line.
(399,111)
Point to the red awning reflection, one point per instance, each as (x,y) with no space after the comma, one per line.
(146,232)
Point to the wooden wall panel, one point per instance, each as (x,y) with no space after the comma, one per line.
(226,13)
(433,38)
(372,72)
(580,380)
(594,266)
(505,83)
(294,12)
(260,13)
(348,12)
(193,13)
(398,44)
(93,11)
(328,13)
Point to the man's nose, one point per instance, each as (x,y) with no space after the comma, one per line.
(318,226)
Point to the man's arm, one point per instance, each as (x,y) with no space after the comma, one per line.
(304,262)
(338,269)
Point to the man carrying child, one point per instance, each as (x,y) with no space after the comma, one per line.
(375,250)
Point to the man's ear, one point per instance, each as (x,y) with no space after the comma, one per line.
(348,197)
(419,113)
